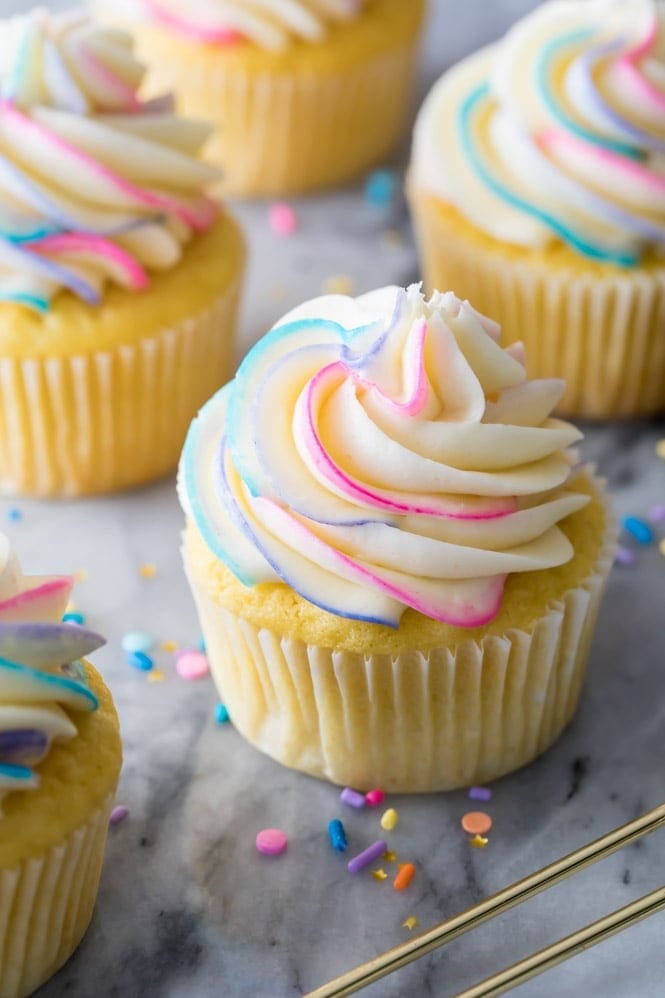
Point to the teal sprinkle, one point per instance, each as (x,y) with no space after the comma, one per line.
(57,682)
(20,773)
(73,618)
(221,714)
(570,237)
(40,305)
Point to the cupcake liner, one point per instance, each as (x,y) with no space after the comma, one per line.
(599,327)
(419,721)
(93,423)
(46,904)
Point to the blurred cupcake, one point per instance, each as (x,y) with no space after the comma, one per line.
(397,572)
(538,189)
(305,93)
(60,758)
(119,277)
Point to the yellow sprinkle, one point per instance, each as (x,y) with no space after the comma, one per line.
(169,645)
(479,841)
(389,819)
(339,284)
(81,574)
(147,571)
(410,923)
(380,874)
(155,676)
(661,546)
(390,857)
(660,449)
(392,239)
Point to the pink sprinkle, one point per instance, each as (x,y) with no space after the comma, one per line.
(118,814)
(375,797)
(282,219)
(271,842)
(624,556)
(192,665)
(480,793)
(657,513)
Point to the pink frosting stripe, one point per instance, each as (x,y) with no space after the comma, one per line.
(212,36)
(553,140)
(630,77)
(109,79)
(52,594)
(98,246)
(414,355)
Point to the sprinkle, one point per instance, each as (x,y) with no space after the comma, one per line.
(478,841)
(638,529)
(661,546)
(480,793)
(192,665)
(337,835)
(169,646)
(380,874)
(624,556)
(389,819)
(410,923)
(366,857)
(118,814)
(338,284)
(81,574)
(140,661)
(407,872)
(221,714)
(147,571)
(73,618)
(352,797)
(660,449)
(271,841)
(476,822)
(156,676)
(282,219)
(201,646)
(390,856)
(375,797)
(380,188)
(14,514)
(657,513)
(137,641)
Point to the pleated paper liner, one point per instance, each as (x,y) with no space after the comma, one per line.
(416,721)
(600,327)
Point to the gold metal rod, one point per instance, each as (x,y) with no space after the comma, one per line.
(562,950)
(444,932)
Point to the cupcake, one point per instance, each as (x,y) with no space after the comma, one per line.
(60,758)
(119,276)
(538,190)
(305,93)
(396,565)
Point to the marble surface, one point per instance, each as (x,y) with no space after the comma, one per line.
(187,907)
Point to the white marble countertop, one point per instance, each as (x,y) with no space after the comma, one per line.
(187,907)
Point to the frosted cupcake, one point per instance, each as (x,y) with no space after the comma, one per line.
(538,189)
(60,759)
(305,93)
(397,570)
(119,276)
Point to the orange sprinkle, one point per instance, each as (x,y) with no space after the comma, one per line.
(155,676)
(147,571)
(476,823)
(169,645)
(407,872)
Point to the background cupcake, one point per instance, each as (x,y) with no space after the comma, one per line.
(396,571)
(538,192)
(60,759)
(305,93)
(119,276)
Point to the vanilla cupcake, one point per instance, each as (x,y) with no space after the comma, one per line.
(396,568)
(305,93)
(119,276)
(60,758)
(538,190)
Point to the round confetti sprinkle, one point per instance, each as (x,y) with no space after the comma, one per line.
(137,641)
(657,513)
(282,219)
(638,529)
(221,714)
(140,661)
(480,793)
(476,823)
(147,571)
(192,665)
(380,188)
(271,842)
(156,676)
(660,449)
(73,618)
(118,814)
(624,556)
(14,514)
(169,646)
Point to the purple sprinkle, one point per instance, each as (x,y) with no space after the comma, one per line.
(366,857)
(657,513)
(118,814)
(480,793)
(624,556)
(352,798)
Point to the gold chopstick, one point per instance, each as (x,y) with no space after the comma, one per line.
(413,949)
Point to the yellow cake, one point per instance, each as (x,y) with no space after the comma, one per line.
(120,287)
(301,100)
(360,693)
(536,193)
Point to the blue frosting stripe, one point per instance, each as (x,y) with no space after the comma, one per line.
(22,774)
(54,683)
(40,305)
(592,250)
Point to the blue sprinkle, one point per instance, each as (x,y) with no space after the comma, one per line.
(73,618)
(140,661)
(201,646)
(14,514)
(638,529)
(221,714)
(380,188)
(137,641)
(337,835)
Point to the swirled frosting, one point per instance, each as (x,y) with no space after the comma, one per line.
(272,24)
(383,453)
(41,678)
(557,132)
(95,185)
